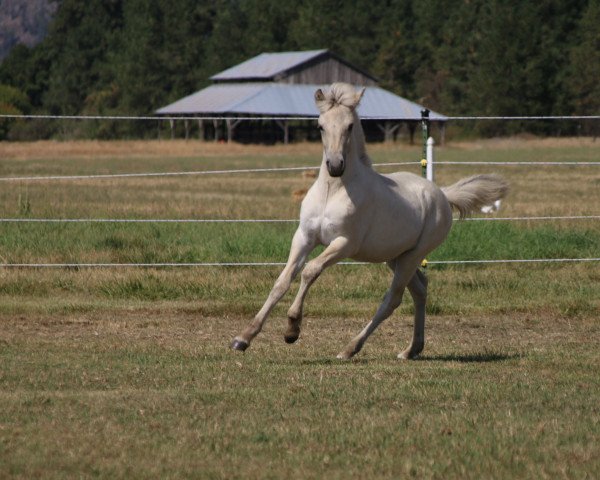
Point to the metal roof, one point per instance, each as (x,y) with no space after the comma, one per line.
(277,99)
(267,66)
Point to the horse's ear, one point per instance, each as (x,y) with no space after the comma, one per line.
(320,100)
(358,96)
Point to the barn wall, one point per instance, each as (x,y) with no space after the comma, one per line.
(328,70)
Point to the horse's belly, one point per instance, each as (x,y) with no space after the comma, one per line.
(378,237)
(385,245)
(386,241)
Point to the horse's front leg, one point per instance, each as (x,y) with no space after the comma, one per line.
(302,245)
(337,250)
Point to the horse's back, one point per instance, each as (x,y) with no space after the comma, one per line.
(424,196)
(420,193)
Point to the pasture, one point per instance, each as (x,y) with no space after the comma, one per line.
(127,372)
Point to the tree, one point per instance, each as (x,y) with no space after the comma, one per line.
(79,42)
(349,29)
(396,58)
(583,77)
(12,102)
(518,60)
(160,52)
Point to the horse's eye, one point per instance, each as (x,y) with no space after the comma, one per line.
(320,127)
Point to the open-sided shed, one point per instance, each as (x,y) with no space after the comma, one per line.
(280,87)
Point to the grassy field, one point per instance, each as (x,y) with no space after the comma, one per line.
(127,373)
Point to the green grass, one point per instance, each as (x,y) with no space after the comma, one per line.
(126,373)
(504,240)
(163,397)
(181,243)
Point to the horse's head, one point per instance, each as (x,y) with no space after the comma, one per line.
(336,121)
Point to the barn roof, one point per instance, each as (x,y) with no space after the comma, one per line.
(278,99)
(267,66)
(274,66)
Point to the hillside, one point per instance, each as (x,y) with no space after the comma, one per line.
(23,22)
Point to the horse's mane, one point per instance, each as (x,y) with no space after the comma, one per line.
(339,93)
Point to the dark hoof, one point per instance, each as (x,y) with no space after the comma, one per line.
(291,338)
(239,345)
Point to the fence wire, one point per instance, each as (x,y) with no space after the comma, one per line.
(270,170)
(263,220)
(290,117)
(278,264)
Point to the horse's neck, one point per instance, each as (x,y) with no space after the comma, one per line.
(358,147)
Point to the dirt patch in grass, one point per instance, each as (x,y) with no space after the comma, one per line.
(185,330)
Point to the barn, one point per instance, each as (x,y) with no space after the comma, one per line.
(270,98)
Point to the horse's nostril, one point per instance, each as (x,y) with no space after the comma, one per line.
(328,163)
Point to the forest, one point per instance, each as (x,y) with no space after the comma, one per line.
(458,57)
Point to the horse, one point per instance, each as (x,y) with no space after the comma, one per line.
(358,213)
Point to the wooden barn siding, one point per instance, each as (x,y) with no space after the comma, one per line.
(327,71)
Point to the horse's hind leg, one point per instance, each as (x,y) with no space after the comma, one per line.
(404,269)
(418,290)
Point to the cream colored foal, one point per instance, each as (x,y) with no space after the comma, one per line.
(360,214)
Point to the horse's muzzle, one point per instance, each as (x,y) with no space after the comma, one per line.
(336,167)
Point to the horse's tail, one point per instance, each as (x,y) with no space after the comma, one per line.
(474,192)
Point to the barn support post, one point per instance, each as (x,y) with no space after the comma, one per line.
(388,130)
(412,126)
(398,130)
(186,124)
(216,125)
(231,128)
(391,131)
(172,124)
(201,129)
(284,125)
(442,133)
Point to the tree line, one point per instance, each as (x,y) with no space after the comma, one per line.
(458,57)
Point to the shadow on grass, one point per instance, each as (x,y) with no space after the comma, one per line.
(334,361)
(483,357)
(477,357)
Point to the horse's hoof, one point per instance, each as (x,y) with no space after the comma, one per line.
(408,355)
(291,338)
(240,345)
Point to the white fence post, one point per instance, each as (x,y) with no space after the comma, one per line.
(430,143)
